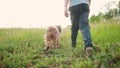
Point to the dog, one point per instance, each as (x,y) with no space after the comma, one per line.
(52,37)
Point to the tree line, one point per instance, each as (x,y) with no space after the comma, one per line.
(111,13)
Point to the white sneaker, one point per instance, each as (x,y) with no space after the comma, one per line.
(89,51)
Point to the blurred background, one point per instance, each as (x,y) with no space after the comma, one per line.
(42,13)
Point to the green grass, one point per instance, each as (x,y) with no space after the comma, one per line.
(23,48)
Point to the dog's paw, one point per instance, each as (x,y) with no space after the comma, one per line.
(57,46)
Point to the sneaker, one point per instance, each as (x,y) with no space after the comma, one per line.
(89,51)
(73,49)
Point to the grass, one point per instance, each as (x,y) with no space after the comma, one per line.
(23,48)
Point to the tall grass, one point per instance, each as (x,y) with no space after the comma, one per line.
(23,48)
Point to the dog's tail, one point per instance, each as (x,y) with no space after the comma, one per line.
(59,28)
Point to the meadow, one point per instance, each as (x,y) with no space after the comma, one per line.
(24,48)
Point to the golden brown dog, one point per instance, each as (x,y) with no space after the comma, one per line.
(52,37)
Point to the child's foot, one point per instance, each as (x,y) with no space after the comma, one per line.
(89,51)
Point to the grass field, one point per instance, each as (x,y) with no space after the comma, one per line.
(23,48)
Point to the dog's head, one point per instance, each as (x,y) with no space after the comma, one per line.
(54,29)
(51,30)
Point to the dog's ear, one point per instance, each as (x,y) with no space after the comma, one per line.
(59,28)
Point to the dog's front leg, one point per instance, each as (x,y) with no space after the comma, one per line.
(47,45)
(56,43)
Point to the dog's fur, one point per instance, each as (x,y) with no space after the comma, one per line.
(52,37)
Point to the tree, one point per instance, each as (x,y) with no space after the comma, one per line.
(111,13)
(96,19)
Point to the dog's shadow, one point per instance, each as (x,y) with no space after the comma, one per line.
(50,52)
